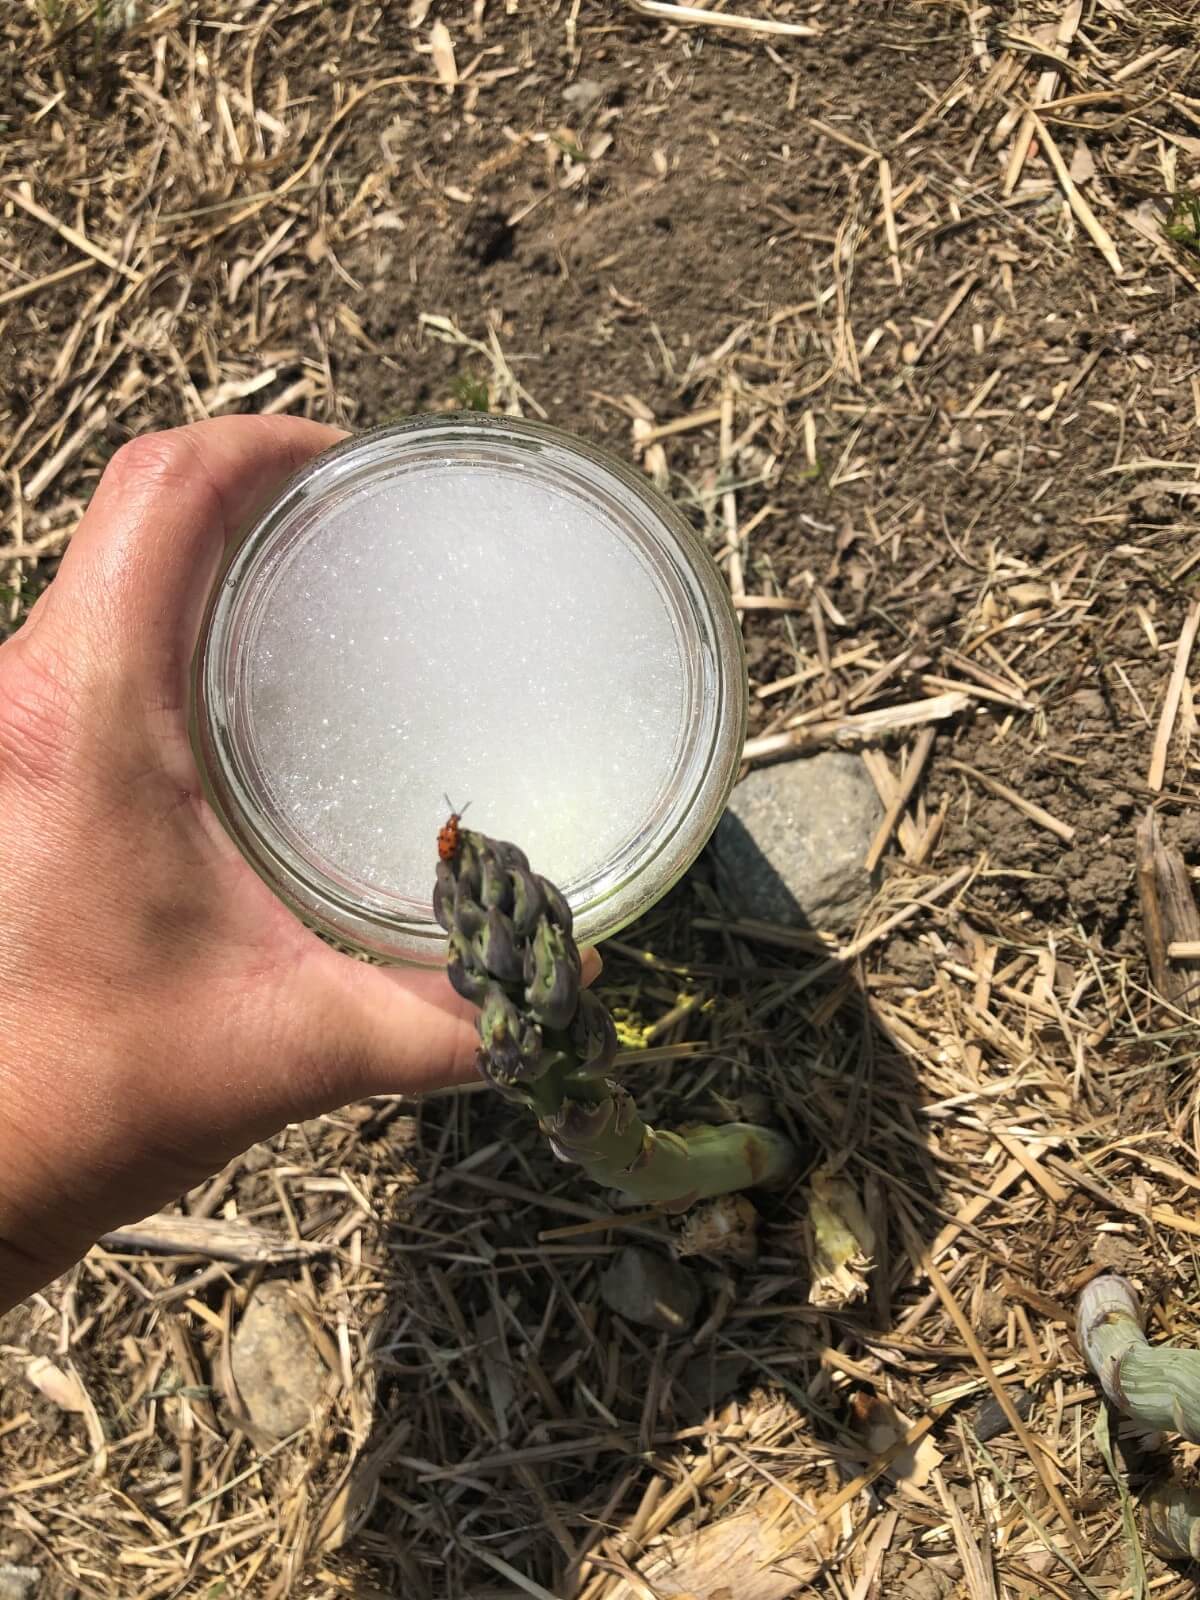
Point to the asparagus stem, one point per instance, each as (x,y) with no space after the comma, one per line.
(612,1144)
(1155,1385)
(548,1044)
(1173,1521)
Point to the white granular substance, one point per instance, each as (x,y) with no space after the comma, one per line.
(466,632)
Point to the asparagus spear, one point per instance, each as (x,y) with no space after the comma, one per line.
(1155,1385)
(1173,1521)
(549,1044)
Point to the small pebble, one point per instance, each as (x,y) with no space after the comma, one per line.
(583,94)
(989,1421)
(648,1289)
(708,1380)
(19,1583)
(279,1374)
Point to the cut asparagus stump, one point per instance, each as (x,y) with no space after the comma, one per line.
(1154,1385)
(547,1043)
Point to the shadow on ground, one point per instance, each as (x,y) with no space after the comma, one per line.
(516,1410)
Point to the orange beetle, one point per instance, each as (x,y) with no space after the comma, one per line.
(448,832)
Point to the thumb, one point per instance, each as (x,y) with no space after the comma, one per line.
(394,1030)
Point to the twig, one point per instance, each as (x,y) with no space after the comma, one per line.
(863,943)
(737,577)
(768,602)
(96,419)
(1170,920)
(854,730)
(943,317)
(1028,808)
(1043,92)
(1091,224)
(36,285)
(889,219)
(215,1237)
(72,235)
(867,1477)
(668,430)
(845,658)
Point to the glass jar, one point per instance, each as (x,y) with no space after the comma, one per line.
(475,606)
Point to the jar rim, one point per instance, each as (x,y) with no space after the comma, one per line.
(398,926)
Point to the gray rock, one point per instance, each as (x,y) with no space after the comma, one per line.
(792,845)
(19,1583)
(279,1374)
(648,1289)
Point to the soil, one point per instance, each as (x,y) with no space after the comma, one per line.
(710,207)
(693,222)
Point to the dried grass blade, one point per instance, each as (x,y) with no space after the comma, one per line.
(923,1262)
(1170,710)
(697,16)
(1087,218)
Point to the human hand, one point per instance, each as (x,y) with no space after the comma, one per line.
(161,1009)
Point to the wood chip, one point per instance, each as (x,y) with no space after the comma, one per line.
(441,47)
(756,1544)
(1170,920)
(214,1237)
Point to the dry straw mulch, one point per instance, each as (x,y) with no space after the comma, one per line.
(902,311)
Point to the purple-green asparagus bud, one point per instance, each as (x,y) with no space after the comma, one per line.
(557,908)
(463,970)
(529,901)
(466,869)
(495,888)
(551,975)
(548,1042)
(511,1043)
(593,1036)
(498,948)
(445,892)
(578,1126)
